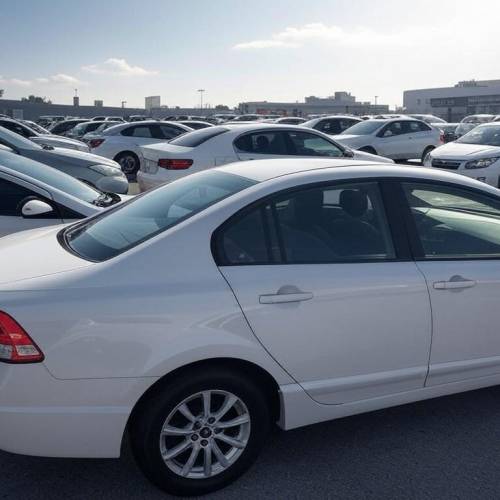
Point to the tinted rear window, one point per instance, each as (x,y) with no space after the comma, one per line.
(193,139)
(117,231)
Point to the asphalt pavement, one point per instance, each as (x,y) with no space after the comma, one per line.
(447,448)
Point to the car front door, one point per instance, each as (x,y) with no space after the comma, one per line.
(328,293)
(457,243)
(393,142)
(13,194)
(261,145)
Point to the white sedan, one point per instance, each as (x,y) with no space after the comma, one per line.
(195,316)
(397,138)
(223,144)
(123,143)
(475,154)
(34,195)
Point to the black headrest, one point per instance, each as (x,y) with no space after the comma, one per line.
(353,202)
(262,142)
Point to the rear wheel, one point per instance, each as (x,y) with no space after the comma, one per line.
(129,162)
(200,432)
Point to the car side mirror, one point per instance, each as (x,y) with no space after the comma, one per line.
(35,208)
(348,153)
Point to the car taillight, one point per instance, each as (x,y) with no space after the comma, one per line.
(172,164)
(94,143)
(441,138)
(16,345)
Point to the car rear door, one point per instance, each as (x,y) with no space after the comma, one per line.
(262,144)
(329,289)
(456,238)
(393,141)
(13,193)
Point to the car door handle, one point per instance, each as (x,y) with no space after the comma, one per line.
(287,293)
(454,283)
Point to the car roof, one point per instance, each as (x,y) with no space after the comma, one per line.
(263,170)
(121,126)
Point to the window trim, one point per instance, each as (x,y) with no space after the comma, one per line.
(415,242)
(388,196)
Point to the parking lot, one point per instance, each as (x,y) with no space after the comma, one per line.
(444,448)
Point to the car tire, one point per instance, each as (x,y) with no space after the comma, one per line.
(221,454)
(129,162)
(368,149)
(427,150)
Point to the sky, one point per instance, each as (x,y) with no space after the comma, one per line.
(242,50)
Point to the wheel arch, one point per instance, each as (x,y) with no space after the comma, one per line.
(255,372)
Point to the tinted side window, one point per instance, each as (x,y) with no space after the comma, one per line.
(453,222)
(14,127)
(415,127)
(306,144)
(329,126)
(331,224)
(11,195)
(392,129)
(137,131)
(268,143)
(168,132)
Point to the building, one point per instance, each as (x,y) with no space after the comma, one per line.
(153,101)
(454,103)
(25,110)
(339,103)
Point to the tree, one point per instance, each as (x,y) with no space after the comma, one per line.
(221,107)
(36,100)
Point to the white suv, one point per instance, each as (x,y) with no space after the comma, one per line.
(398,138)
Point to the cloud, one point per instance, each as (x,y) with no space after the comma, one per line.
(59,78)
(120,67)
(294,37)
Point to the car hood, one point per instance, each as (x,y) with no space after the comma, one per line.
(37,253)
(54,140)
(81,158)
(362,155)
(459,150)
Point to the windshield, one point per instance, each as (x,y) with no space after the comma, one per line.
(102,238)
(364,128)
(463,128)
(50,176)
(193,139)
(488,135)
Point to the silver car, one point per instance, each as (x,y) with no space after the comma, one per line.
(44,139)
(106,175)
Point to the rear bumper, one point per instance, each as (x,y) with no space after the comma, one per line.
(44,416)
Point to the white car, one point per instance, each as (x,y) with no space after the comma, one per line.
(47,139)
(35,195)
(123,143)
(332,125)
(279,291)
(475,154)
(431,119)
(223,144)
(399,138)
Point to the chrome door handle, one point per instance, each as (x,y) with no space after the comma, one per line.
(454,283)
(281,298)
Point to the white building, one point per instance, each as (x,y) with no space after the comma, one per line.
(454,103)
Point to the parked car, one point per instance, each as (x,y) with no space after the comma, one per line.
(122,143)
(397,138)
(107,118)
(203,149)
(35,195)
(33,125)
(332,125)
(475,154)
(97,132)
(195,317)
(49,120)
(97,171)
(195,124)
(290,120)
(428,118)
(63,127)
(465,127)
(247,118)
(449,130)
(47,139)
(484,118)
(81,129)
(138,118)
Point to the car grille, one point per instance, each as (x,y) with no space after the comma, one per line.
(447,164)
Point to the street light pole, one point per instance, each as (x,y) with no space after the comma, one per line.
(201,97)
(376,97)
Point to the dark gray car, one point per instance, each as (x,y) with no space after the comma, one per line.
(103,173)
